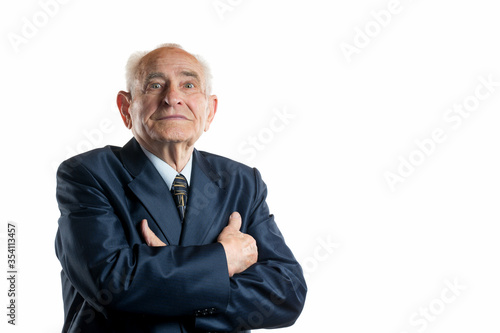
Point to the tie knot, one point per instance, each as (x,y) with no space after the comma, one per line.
(180,184)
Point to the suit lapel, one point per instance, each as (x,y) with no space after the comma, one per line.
(204,204)
(152,191)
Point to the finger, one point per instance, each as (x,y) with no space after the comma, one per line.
(146,232)
(235,221)
(149,236)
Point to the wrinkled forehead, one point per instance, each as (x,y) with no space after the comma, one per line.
(169,61)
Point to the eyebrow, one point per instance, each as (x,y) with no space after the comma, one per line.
(191,74)
(155,75)
(162,76)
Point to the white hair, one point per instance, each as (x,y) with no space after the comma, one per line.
(135,59)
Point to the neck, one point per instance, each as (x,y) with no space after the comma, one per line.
(175,154)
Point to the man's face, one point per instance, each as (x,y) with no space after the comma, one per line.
(168,103)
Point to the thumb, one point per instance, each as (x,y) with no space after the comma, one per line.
(235,221)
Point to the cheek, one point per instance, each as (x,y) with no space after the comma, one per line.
(199,108)
(203,123)
(142,110)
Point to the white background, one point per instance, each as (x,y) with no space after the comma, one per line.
(374,257)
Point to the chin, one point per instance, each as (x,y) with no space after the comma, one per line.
(175,136)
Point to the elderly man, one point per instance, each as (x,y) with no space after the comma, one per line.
(160,237)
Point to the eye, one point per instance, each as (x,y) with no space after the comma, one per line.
(189,85)
(155,86)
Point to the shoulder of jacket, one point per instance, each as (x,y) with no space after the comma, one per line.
(225,163)
(93,157)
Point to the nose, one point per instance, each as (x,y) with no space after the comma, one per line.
(172,96)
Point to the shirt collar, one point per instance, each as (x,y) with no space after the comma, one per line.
(166,171)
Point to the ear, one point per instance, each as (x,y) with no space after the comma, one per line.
(212,108)
(123,100)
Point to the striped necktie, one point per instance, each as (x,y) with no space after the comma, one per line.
(180,191)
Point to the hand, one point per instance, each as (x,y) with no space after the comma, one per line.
(241,249)
(149,236)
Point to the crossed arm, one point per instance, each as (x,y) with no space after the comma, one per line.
(240,248)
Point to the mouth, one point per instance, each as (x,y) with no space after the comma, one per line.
(173,117)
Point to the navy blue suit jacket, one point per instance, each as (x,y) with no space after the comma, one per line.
(113,281)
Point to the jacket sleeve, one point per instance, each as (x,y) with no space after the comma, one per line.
(270,293)
(113,273)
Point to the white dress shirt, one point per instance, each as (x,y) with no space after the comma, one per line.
(166,171)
